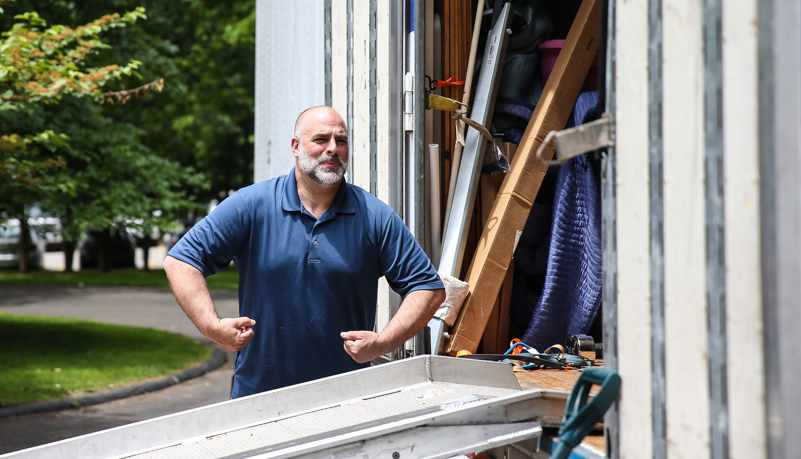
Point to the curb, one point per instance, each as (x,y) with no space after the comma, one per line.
(216,361)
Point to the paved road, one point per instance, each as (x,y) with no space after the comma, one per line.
(127,306)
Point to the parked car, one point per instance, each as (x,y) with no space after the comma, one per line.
(122,249)
(9,246)
(47,226)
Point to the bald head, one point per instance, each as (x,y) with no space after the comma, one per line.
(306,118)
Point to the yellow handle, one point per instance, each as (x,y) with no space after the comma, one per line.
(443,103)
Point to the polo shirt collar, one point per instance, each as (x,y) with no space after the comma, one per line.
(290,201)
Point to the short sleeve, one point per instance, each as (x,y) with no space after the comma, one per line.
(215,241)
(405,265)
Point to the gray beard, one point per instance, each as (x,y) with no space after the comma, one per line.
(311,167)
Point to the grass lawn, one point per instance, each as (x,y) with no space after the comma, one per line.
(131,277)
(44,358)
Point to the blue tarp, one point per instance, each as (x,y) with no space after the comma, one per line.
(570,297)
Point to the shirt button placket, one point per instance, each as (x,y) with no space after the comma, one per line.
(313,246)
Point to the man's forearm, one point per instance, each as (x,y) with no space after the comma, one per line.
(190,290)
(414,313)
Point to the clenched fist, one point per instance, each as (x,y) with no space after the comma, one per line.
(364,346)
(232,334)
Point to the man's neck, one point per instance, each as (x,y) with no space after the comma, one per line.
(315,197)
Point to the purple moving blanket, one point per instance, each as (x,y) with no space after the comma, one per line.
(571,296)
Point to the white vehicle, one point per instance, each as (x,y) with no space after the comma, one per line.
(9,246)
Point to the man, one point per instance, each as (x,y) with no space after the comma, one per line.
(309,249)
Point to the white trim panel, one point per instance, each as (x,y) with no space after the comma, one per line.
(360,143)
(746,383)
(633,268)
(339,56)
(686,365)
(383,24)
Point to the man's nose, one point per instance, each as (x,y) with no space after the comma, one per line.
(332,146)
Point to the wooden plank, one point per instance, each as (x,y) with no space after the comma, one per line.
(457,31)
(686,369)
(505,305)
(520,187)
(496,332)
(633,246)
(744,325)
(489,341)
(551,379)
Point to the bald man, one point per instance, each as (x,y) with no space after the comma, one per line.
(310,249)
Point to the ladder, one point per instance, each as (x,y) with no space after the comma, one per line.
(423,407)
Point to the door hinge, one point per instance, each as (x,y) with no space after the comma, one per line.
(579,140)
(408,102)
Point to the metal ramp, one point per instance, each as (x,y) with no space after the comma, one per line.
(428,406)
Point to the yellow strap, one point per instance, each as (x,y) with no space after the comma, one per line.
(556,346)
(443,103)
(449,105)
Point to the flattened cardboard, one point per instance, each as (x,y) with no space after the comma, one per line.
(509,213)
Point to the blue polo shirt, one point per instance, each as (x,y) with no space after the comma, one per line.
(302,279)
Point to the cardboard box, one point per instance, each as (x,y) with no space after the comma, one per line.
(510,210)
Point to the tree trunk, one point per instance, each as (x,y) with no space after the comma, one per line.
(68,246)
(24,244)
(69,253)
(145,256)
(103,261)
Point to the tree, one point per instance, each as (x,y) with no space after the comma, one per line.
(109,179)
(205,51)
(104,176)
(41,64)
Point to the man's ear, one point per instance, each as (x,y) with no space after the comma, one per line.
(295,144)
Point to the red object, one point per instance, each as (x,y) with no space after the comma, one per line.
(518,346)
(549,51)
(448,82)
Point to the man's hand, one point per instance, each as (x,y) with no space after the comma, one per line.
(415,311)
(363,346)
(232,334)
(191,292)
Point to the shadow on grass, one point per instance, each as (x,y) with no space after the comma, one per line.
(224,280)
(44,358)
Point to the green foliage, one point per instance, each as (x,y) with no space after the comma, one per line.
(42,64)
(111,178)
(96,166)
(71,357)
(205,52)
(224,280)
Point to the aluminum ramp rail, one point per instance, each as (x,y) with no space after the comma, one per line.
(428,406)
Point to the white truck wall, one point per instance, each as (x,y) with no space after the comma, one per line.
(318,52)
(366,45)
(665,86)
(290,76)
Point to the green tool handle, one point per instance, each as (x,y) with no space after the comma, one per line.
(581,415)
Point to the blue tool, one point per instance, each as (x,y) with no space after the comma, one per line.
(581,416)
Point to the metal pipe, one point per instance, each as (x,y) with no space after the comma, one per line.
(434,205)
(453,243)
(418,138)
(475,143)
(418,173)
